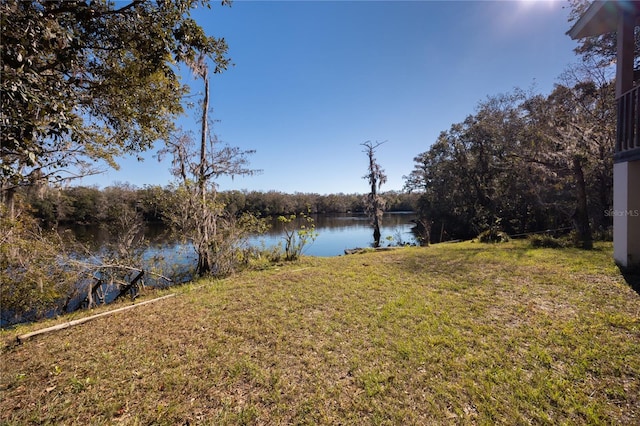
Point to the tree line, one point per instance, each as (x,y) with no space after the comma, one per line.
(523,163)
(527,162)
(91,205)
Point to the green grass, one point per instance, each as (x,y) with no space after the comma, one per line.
(451,334)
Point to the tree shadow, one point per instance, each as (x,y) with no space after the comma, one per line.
(632,277)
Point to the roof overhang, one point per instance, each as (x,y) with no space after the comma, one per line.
(602,17)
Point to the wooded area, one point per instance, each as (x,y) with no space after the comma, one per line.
(90,205)
(525,162)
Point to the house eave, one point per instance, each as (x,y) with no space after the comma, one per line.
(602,17)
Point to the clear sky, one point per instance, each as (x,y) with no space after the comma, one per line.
(312,80)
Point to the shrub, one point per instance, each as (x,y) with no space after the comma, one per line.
(546,241)
(493,236)
(603,234)
(296,238)
(36,275)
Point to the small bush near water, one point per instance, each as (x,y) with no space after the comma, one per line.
(493,236)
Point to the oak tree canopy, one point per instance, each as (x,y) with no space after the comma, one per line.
(87,81)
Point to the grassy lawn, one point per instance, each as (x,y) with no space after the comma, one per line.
(451,334)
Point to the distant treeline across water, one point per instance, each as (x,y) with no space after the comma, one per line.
(90,205)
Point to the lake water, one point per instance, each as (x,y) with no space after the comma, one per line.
(335,234)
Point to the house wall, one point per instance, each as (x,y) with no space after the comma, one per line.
(626,213)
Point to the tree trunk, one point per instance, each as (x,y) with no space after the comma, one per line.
(423,228)
(376,234)
(375,205)
(203,138)
(204,263)
(8,198)
(204,258)
(581,215)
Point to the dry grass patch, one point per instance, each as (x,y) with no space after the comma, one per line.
(461,333)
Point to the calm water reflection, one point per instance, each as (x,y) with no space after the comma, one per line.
(339,232)
(335,234)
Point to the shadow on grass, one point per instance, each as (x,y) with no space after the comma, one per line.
(632,277)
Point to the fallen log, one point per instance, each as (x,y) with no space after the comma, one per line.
(127,288)
(27,336)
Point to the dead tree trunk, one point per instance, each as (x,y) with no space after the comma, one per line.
(126,289)
(375,203)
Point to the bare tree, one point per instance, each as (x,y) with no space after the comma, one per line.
(374,203)
(198,215)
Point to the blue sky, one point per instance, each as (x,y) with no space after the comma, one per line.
(312,80)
